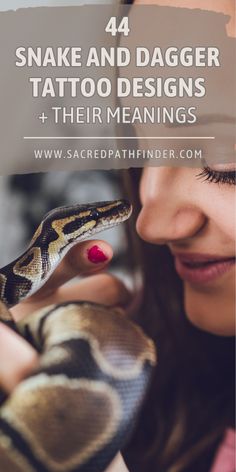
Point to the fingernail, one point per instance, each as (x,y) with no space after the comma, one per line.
(96,255)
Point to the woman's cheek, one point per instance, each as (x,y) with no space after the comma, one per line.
(212,310)
(218,201)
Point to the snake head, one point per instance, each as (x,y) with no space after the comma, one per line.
(58,232)
(111,213)
(76,222)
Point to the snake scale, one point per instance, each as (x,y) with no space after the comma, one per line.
(76,410)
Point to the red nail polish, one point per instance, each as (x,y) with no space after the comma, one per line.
(96,255)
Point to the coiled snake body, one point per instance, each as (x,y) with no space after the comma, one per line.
(77,409)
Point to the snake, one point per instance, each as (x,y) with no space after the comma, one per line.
(79,406)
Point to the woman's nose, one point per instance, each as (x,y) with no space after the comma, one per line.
(169,210)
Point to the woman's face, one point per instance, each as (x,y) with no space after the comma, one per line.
(195,217)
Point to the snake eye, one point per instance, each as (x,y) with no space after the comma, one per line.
(95,214)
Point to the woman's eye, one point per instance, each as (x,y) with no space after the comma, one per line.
(218,177)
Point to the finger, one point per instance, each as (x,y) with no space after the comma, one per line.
(102,288)
(84,258)
(18,358)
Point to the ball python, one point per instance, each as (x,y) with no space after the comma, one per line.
(77,409)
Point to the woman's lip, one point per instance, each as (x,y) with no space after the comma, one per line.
(202,268)
(198,257)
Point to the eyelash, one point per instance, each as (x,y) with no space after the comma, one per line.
(209,175)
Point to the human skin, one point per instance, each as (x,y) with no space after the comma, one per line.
(19,357)
(191,216)
(101,288)
(178,210)
(196,217)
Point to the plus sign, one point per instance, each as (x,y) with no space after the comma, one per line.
(43,117)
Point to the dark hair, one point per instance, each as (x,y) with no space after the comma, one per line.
(191,399)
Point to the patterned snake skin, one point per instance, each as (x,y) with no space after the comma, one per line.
(78,408)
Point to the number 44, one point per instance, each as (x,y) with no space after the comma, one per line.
(113,28)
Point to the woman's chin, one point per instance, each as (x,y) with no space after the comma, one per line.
(214,314)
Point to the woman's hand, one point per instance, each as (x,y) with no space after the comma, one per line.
(18,357)
(100,288)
